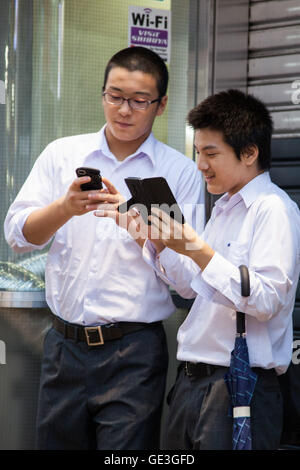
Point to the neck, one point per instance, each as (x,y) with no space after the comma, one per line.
(250,177)
(121,149)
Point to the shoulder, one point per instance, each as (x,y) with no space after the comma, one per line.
(73,142)
(274,197)
(276,203)
(177,161)
(170,152)
(65,148)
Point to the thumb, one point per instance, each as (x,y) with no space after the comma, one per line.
(109,186)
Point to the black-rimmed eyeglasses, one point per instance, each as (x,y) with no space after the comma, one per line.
(134,103)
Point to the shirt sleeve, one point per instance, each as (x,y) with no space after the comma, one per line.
(36,192)
(272,260)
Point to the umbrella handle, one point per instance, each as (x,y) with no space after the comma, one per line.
(245,290)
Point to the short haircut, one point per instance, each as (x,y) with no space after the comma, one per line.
(243,119)
(144,60)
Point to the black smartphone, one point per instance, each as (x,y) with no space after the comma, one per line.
(149,192)
(94,173)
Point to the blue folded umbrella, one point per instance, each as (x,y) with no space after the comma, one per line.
(240,379)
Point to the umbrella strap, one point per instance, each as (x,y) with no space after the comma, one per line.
(245,291)
(240,323)
(241,412)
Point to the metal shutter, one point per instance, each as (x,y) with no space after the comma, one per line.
(274,76)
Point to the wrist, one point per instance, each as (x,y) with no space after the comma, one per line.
(62,209)
(159,246)
(194,247)
(201,253)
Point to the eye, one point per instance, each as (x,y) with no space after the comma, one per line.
(140,101)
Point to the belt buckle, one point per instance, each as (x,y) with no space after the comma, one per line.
(93,329)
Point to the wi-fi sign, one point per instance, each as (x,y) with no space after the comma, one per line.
(147,10)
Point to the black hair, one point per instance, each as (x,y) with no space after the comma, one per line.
(144,60)
(243,119)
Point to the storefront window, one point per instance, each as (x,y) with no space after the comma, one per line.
(52,58)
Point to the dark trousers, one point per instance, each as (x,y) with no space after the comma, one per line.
(102,397)
(198,412)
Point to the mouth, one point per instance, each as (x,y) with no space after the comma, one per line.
(123,125)
(208,178)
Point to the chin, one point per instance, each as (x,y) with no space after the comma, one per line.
(125,136)
(214,191)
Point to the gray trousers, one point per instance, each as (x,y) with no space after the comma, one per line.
(103,397)
(198,415)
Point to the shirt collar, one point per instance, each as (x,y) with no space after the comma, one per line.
(249,193)
(147,148)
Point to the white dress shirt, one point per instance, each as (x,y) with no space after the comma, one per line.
(260,227)
(95,271)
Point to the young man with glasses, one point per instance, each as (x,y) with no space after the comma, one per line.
(105,359)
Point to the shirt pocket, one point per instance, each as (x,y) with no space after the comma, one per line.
(238,253)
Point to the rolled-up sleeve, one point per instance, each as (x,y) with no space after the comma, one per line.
(13,229)
(174,269)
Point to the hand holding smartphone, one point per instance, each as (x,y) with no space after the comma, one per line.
(94,173)
(152,192)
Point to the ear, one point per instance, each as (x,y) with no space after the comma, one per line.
(250,155)
(162,105)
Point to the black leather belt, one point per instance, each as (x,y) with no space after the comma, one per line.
(199,369)
(98,335)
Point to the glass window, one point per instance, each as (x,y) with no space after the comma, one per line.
(52,59)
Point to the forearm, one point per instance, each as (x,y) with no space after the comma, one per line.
(201,253)
(181,238)
(43,223)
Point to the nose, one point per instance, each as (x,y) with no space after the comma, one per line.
(202,163)
(125,109)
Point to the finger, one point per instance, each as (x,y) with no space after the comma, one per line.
(106,207)
(154,220)
(75,186)
(164,217)
(103,198)
(156,225)
(109,186)
(105,213)
(134,213)
(165,224)
(91,207)
(154,231)
(162,222)
(160,216)
(156,212)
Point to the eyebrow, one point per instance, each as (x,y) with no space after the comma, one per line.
(114,88)
(209,147)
